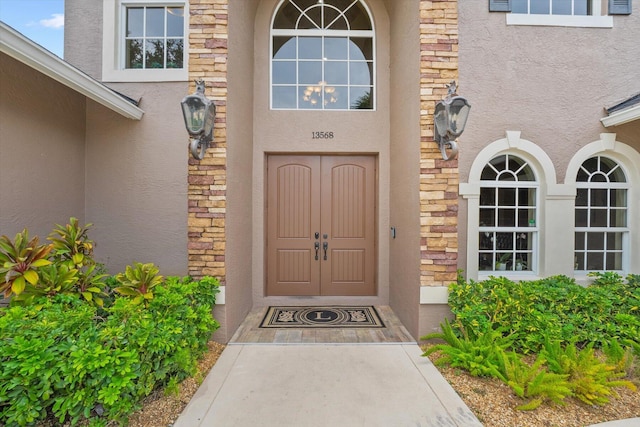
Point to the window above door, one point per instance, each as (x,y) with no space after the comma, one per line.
(322,56)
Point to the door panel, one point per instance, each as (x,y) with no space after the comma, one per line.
(348,218)
(293,218)
(333,196)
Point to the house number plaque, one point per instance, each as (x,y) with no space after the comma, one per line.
(322,135)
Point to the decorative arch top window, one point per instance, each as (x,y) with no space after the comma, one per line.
(508,211)
(601,215)
(322,56)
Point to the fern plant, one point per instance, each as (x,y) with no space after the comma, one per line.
(534,382)
(479,354)
(591,380)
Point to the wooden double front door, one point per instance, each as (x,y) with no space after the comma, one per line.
(321,215)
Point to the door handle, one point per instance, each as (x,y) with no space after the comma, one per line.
(317,246)
(325,246)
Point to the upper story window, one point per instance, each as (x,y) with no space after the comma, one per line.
(508,211)
(154,37)
(145,40)
(322,56)
(553,7)
(561,13)
(601,215)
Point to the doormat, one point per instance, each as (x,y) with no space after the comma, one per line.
(322,317)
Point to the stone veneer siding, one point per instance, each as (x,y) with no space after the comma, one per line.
(208,177)
(438,178)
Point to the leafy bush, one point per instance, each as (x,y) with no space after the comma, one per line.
(64,266)
(138,282)
(554,308)
(555,318)
(19,262)
(61,359)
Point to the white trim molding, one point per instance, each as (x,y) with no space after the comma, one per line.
(434,295)
(591,21)
(112,45)
(221,296)
(629,159)
(621,117)
(22,49)
(555,200)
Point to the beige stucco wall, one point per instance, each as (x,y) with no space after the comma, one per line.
(41,151)
(83,35)
(550,83)
(239,226)
(136,180)
(136,171)
(404,250)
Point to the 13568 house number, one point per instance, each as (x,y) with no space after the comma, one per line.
(321,135)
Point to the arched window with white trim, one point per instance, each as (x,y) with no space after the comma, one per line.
(508,229)
(322,56)
(601,215)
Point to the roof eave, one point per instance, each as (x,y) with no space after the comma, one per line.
(623,116)
(35,56)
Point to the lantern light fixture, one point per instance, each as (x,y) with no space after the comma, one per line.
(199,114)
(450,118)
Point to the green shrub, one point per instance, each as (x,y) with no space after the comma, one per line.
(19,262)
(555,318)
(138,282)
(556,308)
(62,359)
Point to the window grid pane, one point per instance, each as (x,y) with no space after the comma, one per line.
(154,38)
(600,216)
(507,217)
(553,7)
(340,76)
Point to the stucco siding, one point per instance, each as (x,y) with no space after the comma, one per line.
(41,151)
(551,83)
(83,35)
(404,249)
(239,225)
(137,180)
(551,86)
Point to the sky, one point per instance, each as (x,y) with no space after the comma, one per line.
(40,20)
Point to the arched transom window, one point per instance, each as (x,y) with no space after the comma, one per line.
(322,56)
(601,215)
(508,211)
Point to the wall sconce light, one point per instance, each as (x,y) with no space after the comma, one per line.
(450,118)
(199,115)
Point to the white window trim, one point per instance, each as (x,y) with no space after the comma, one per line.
(629,160)
(545,173)
(560,20)
(595,20)
(112,70)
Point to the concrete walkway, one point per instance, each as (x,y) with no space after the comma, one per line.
(306,385)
